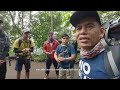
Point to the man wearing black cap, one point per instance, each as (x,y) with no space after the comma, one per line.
(4,49)
(89,33)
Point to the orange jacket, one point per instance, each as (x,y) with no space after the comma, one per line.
(47,48)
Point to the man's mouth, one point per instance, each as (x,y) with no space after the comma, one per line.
(83,39)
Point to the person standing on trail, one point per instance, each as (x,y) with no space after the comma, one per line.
(49,48)
(65,55)
(97,59)
(23,48)
(4,49)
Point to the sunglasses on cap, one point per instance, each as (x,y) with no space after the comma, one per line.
(26,32)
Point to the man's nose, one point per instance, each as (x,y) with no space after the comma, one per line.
(83,31)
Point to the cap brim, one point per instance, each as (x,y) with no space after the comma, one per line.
(80,15)
(27,32)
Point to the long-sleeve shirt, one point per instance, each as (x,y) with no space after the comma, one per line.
(18,49)
(47,47)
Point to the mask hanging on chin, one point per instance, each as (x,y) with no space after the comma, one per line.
(50,40)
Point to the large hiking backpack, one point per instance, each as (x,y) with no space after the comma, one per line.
(112,50)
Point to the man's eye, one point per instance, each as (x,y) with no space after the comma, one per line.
(89,27)
(78,29)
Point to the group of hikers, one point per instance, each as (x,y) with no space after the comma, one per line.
(90,39)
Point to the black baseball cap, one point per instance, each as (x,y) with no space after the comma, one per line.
(80,15)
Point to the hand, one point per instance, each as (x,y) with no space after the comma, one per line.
(58,60)
(47,53)
(61,58)
(1,61)
(26,51)
(53,51)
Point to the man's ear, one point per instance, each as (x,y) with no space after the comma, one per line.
(102,32)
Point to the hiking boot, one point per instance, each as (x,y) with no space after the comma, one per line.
(46,76)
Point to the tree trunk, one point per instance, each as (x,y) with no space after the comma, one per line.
(52,21)
(22,19)
(12,18)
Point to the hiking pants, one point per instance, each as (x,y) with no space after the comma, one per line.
(3,70)
(48,65)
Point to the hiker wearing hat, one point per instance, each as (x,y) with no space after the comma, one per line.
(4,49)
(89,36)
(23,47)
(49,48)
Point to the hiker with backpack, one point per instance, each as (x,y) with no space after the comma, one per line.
(49,48)
(96,56)
(4,49)
(23,47)
(65,55)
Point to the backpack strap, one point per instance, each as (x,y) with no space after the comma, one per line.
(67,49)
(111,60)
(59,49)
(20,41)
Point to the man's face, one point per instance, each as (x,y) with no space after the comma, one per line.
(26,34)
(65,40)
(88,33)
(50,37)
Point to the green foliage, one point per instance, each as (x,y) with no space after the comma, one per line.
(108,15)
(39,23)
(39,58)
(11,53)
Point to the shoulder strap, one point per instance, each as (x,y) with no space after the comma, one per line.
(69,48)
(30,41)
(19,42)
(59,48)
(111,60)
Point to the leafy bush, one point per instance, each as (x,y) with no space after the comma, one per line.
(11,53)
(39,58)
